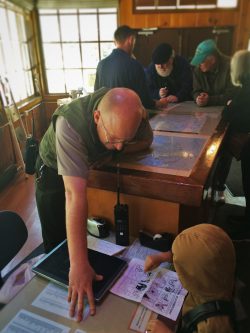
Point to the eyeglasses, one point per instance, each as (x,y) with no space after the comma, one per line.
(113,142)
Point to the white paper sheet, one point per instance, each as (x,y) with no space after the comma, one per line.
(159,290)
(134,282)
(27,322)
(136,250)
(140,319)
(53,299)
(103,246)
(166,294)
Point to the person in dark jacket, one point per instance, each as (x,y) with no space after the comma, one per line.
(212,85)
(237,113)
(169,75)
(121,69)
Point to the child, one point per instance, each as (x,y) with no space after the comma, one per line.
(204,259)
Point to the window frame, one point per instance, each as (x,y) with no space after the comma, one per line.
(24,40)
(155,8)
(60,12)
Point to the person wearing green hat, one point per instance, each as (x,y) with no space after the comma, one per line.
(211,76)
(212,85)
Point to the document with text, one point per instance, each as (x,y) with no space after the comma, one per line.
(159,290)
(26,322)
(53,299)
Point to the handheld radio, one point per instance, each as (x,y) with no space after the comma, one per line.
(121,217)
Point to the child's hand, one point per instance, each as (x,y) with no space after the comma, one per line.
(151,262)
(154,260)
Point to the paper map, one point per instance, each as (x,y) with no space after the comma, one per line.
(174,154)
(178,122)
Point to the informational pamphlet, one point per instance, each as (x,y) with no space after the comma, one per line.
(26,322)
(53,299)
(103,246)
(159,290)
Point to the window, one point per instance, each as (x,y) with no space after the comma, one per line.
(17,59)
(163,5)
(74,40)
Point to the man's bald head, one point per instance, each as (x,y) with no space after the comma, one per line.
(121,110)
(120,100)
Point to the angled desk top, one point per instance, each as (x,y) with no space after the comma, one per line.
(182,189)
(112,315)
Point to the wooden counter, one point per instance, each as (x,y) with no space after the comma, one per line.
(160,202)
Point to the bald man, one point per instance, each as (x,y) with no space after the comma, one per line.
(82,132)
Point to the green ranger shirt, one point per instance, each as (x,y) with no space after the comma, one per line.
(82,133)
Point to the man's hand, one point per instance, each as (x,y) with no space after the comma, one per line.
(161,103)
(163,92)
(172,99)
(202,99)
(80,285)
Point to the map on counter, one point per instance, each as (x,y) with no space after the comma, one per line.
(178,122)
(190,107)
(170,153)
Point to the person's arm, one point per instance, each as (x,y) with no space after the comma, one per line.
(200,95)
(151,82)
(161,103)
(198,86)
(73,166)
(81,274)
(154,260)
(202,99)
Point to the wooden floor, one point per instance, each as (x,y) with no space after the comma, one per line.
(19,196)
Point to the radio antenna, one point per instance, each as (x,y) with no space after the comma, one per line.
(118,183)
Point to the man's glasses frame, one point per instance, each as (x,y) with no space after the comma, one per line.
(113,142)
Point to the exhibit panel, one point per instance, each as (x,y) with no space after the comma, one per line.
(165,187)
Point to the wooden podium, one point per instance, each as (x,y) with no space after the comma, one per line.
(161,201)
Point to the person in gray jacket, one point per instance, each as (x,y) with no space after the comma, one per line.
(211,76)
(212,85)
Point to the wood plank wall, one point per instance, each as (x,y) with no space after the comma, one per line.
(239,18)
